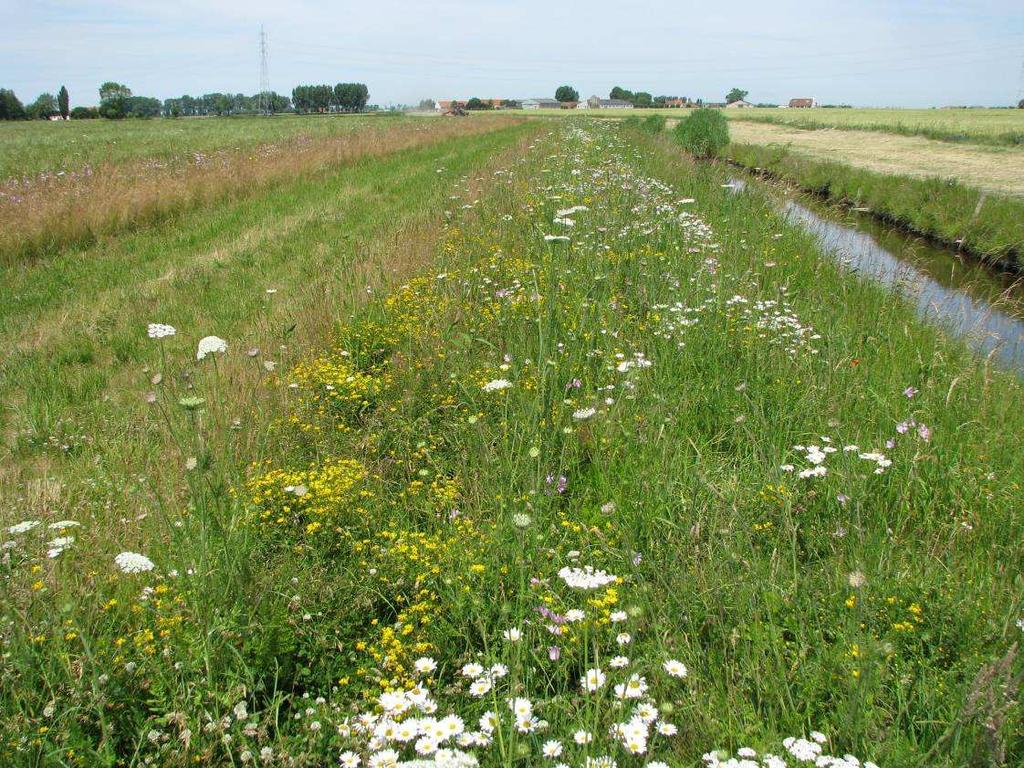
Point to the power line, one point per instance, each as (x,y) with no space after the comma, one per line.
(264,106)
(1020,89)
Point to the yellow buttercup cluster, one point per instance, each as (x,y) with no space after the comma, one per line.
(333,393)
(323,496)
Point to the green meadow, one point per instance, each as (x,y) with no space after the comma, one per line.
(499,443)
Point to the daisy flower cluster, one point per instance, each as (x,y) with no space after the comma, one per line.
(815,456)
(408,724)
(796,751)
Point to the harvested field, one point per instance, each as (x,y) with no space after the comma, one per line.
(992,169)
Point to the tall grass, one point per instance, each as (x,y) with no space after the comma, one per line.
(48,213)
(986,225)
(33,148)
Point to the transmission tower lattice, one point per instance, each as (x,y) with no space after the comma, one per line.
(264,105)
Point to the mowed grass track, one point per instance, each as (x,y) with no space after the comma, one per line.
(993,169)
(999,127)
(75,323)
(978,126)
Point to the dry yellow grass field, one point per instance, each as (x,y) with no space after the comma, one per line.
(994,169)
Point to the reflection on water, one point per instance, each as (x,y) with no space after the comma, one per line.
(985,307)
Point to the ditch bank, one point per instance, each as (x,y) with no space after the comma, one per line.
(981,225)
(979,304)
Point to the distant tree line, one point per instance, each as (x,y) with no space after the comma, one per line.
(43,108)
(117,102)
(225,104)
(343,97)
(644,100)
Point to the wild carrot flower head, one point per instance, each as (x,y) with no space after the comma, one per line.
(160,330)
(210,345)
(133,562)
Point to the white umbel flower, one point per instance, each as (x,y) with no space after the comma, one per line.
(23,527)
(133,562)
(160,330)
(586,577)
(497,385)
(209,345)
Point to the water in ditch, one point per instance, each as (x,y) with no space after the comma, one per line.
(983,306)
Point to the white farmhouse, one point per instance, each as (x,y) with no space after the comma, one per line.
(597,103)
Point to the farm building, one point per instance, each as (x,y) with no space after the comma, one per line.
(541,104)
(443,105)
(801,103)
(739,104)
(596,103)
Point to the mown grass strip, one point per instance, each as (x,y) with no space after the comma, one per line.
(987,226)
(937,132)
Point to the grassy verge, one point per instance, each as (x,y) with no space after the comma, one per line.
(45,214)
(583,490)
(990,227)
(276,269)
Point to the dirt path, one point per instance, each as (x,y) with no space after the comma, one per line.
(994,169)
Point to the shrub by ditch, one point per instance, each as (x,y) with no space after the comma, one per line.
(704,134)
(654,124)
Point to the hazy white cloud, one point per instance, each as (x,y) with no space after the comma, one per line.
(871,52)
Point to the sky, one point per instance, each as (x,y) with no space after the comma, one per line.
(912,53)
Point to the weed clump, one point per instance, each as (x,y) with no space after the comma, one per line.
(704,134)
